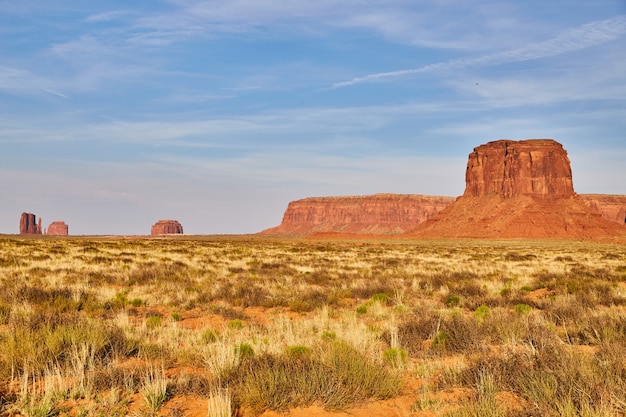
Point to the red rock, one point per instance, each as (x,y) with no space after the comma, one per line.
(380,214)
(612,207)
(57,228)
(167,227)
(519,190)
(537,167)
(29,225)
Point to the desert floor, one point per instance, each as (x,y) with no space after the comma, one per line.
(251,326)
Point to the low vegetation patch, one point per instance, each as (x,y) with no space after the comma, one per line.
(101,326)
(335,377)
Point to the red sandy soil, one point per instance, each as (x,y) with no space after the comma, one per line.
(403,405)
(493,217)
(406,404)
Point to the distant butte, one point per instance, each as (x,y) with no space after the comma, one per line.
(513,189)
(166,227)
(57,228)
(520,189)
(379,214)
(29,224)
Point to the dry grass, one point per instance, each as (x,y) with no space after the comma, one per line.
(262,323)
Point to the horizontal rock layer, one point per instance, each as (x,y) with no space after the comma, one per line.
(379,214)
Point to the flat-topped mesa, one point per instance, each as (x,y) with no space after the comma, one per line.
(167,227)
(379,214)
(533,167)
(520,189)
(29,225)
(57,228)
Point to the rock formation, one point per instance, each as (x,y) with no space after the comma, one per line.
(29,225)
(611,207)
(167,227)
(380,214)
(57,228)
(519,189)
(538,167)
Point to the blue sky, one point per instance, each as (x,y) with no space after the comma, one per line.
(115,114)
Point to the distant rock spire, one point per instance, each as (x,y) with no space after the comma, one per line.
(29,225)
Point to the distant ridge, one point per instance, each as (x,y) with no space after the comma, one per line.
(514,189)
(378,214)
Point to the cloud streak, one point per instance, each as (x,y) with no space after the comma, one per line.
(585,36)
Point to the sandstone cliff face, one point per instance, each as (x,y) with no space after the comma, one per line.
(380,214)
(519,189)
(537,167)
(57,228)
(29,225)
(611,207)
(167,227)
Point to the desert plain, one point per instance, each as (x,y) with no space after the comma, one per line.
(268,326)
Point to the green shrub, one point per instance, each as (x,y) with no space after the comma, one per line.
(336,377)
(244,350)
(34,405)
(235,324)
(177,316)
(120,299)
(380,297)
(328,335)
(154,321)
(210,336)
(362,309)
(522,309)
(439,341)
(482,312)
(48,345)
(453,300)
(395,356)
(299,305)
(154,390)
(298,350)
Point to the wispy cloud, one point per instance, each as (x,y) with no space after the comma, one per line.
(335,173)
(107,16)
(584,36)
(18,80)
(56,93)
(435,24)
(194,97)
(600,80)
(208,131)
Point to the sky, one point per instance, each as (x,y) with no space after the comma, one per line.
(218,113)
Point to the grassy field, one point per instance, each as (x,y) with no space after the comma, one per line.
(243,325)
